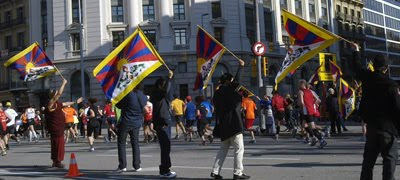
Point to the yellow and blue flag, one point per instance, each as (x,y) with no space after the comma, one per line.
(126,66)
(31,63)
(209,52)
(307,40)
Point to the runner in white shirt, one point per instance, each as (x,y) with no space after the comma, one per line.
(30,115)
(11,115)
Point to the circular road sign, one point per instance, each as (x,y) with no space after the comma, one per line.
(259,48)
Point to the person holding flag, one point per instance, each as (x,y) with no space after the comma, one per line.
(379,107)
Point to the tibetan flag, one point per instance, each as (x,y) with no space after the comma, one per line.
(315,77)
(209,52)
(31,63)
(370,66)
(335,71)
(243,89)
(126,66)
(347,99)
(306,39)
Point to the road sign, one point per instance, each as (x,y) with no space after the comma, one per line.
(259,49)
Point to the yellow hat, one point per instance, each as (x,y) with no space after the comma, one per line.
(8,104)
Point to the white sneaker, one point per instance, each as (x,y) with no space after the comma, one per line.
(169,175)
(120,170)
(136,170)
(91,149)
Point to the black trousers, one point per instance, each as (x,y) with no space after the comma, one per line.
(164,138)
(385,144)
(335,122)
(134,134)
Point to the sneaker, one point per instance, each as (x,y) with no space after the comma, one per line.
(59,165)
(211,139)
(118,170)
(276,137)
(314,141)
(243,176)
(176,137)
(306,140)
(136,170)
(91,149)
(322,144)
(169,175)
(4,153)
(253,141)
(216,176)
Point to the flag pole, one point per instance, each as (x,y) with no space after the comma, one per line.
(212,37)
(55,67)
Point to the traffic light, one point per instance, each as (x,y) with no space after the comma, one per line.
(265,66)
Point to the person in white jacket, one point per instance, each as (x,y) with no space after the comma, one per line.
(11,115)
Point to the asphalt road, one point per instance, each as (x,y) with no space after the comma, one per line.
(287,158)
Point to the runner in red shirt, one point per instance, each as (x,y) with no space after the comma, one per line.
(278,104)
(3,130)
(307,101)
(110,119)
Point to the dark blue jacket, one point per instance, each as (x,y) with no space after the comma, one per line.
(132,106)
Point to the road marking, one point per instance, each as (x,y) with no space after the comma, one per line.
(193,167)
(280,159)
(116,155)
(7,172)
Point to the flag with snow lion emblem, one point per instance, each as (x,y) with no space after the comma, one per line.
(306,39)
(125,67)
(209,52)
(32,63)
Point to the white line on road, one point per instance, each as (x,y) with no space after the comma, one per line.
(7,172)
(116,155)
(280,159)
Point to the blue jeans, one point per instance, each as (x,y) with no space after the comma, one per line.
(133,131)
(164,138)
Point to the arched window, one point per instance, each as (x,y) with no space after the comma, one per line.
(76,85)
(220,69)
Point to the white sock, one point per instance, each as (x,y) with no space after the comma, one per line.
(30,135)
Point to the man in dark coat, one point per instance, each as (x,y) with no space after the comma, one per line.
(227,101)
(332,107)
(380,107)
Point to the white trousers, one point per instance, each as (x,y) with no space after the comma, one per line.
(238,146)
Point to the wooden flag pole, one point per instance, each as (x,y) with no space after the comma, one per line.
(59,72)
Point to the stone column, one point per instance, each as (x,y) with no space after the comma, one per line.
(306,10)
(133,14)
(166,14)
(276,6)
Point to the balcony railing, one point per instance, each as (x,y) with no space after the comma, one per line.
(13,22)
(181,47)
(18,85)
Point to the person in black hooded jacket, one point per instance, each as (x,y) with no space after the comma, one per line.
(227,101)
(161,98)
(379,107)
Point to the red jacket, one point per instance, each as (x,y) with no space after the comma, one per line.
(3,120)
(278,103)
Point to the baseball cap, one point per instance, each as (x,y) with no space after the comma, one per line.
(8,104)
(380,60)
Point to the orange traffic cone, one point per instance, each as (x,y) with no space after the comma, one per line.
(73,168)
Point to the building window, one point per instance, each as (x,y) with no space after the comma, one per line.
(298,8)
(182,67)
(151,36)
(180,37)
(7,17)
(43,12)
(75,10)
(118,37)
(393,35)
(338,8)
(216,9)
(148,10)
(268,25)
(219,34)
(374,31)
(324,10)
(359,14)
(8,42)
(20,14)
(284,4)
(312,11)
(179,10)
(76,44)
(346,11)
(375,44)
(21,39)
(117,10)
(393,47)
(250,27)
(352,12)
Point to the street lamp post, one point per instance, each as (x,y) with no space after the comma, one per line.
(202,16)
(81,50)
